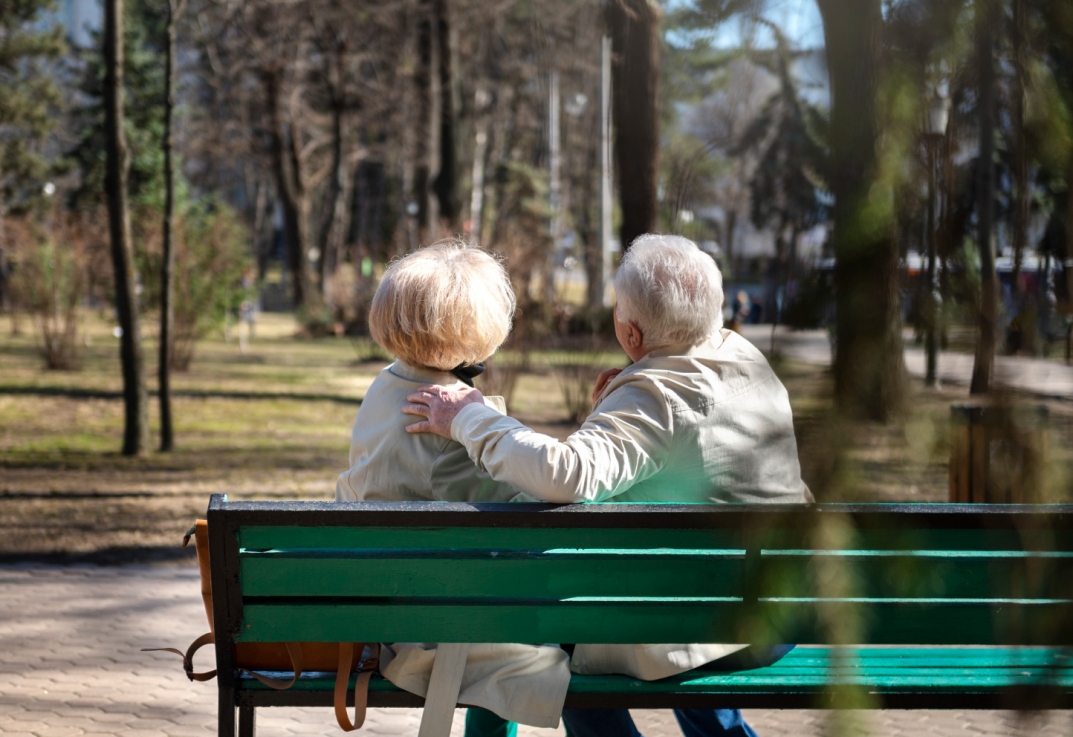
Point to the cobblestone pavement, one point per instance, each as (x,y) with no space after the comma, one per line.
(70,665)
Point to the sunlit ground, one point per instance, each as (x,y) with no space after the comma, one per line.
(275,423)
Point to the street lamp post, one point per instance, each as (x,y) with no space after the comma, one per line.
(934,136)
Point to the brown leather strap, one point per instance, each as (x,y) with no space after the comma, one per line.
(361,685)
(294,650)
(188,657)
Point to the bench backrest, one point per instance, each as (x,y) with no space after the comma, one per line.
(631,573)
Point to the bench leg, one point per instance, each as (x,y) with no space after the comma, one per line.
(246,724)
(226,712)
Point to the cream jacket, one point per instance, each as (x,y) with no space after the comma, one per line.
(522,683)
(710,423)
(388,464)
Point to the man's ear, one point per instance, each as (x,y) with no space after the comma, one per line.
(634,337)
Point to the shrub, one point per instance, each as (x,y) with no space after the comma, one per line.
(211,256)
(54,265)
(576,365)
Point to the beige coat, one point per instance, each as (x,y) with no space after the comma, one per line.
(522,683)
(388,464)
(711,423)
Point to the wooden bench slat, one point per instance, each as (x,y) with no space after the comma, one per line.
(616,621)
(969,575)
(476,538)
(537,575)
(808,669)
(898,535)
(902,535)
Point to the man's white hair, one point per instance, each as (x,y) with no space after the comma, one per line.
(670,289)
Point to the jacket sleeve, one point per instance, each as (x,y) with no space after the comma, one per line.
(623,443)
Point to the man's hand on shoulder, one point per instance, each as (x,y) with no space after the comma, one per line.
(602,380)
(439,407)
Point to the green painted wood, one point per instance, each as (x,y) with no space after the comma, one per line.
(609,621)
(920,575)
(617,621)
(954,657)
(911,622)
(790,535)
(493,538)
(520,574)
(908,538)
(812,670)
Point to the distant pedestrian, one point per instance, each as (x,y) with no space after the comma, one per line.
(742,307)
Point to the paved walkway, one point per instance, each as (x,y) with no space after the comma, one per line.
(70,665)
(1050,379)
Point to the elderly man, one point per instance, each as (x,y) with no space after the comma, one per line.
(698,417)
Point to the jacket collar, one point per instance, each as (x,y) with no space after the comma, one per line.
(709,344)
(423,375)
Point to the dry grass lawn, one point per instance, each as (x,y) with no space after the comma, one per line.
(275,423)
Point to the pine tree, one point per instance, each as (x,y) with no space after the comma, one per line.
(144,28)
(28,102)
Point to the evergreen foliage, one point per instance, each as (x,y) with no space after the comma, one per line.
(29,99)
(143,75)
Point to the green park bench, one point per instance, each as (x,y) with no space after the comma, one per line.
(898,606)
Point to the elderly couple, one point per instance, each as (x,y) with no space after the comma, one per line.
(699,416)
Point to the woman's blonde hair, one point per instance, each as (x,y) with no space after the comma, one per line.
(447,305)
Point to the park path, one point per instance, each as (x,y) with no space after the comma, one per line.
(71,666)
(1047,379)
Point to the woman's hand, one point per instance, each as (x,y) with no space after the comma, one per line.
(439,407)
(601,382)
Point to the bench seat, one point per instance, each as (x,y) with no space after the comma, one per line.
(889,677)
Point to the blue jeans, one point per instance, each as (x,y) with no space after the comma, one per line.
(693,722)
(618,723)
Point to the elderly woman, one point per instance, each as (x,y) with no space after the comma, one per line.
(698,417)
(441,312)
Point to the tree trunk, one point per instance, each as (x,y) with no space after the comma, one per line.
(869,364)
(506,137)
(988,314)
(292,196)
(587,225)
(262,241)
(634,26)
(334,229)
(167,268)
(1067,308)
(480,162)
(5,289)
(728,245)
(446,183)
(406,232)
(135,396)
(1020,153)
(422,118)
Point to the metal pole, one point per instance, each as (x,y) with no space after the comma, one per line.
(605,165)
(555,183)
(932,315)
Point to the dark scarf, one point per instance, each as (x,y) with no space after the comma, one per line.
(467,372)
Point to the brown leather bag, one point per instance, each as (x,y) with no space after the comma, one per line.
(296,657)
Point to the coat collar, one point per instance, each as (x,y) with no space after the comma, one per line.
(423,375)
